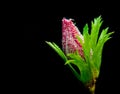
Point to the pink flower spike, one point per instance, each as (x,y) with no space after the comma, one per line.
(70,43)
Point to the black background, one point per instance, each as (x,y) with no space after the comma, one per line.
(44,70)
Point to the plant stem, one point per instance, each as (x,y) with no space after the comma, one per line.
(91,86)
(92,89)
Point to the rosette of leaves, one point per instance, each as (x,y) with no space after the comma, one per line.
(83,50)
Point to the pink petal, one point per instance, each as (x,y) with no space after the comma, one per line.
(69,41)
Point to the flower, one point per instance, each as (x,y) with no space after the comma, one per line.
(88,46)
(70,42)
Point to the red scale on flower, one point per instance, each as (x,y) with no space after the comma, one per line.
(69,41)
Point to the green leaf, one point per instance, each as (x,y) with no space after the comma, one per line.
(85,30)
(79,39)
(86,47)
(85,71)
(97,56)
(62,55)
(103,33)
(77,75)
(58,50)
(69,61)
(95,27)
(75,56)
(108,36)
